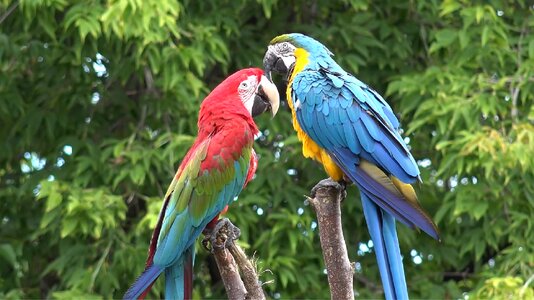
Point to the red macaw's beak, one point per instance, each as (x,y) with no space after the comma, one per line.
(267,98)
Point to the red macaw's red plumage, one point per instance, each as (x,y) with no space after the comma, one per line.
(213,172)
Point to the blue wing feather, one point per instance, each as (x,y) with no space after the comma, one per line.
(352,140)
(144,281)
(179,226)
(353,114)
(326,139)
(372,127)
(399,208)
(367,133)
(367,142)
(326,108)
(353,123)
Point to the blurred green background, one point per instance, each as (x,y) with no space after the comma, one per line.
(99,100)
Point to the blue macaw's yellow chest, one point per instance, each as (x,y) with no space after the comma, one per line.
(310,149)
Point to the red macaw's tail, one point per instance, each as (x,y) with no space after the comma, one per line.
(143,283)
(179,277)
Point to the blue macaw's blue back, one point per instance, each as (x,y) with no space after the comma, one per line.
(359,131)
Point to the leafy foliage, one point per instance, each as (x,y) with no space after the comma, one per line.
(99,102)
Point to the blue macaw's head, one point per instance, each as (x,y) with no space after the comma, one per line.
(305,42)
(284,49)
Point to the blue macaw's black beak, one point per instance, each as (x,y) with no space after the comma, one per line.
(266,98)
(272,62)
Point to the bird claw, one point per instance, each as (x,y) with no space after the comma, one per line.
(206,240)
(222,236)
(341,186)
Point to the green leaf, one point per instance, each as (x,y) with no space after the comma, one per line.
(54,199)
(449,6)
(7,252)
(479,209)
(479,13)
(67,227)
(485,35)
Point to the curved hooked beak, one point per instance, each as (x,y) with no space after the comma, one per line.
(267,98)
(276,63)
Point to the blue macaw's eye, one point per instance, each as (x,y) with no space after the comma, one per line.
(283,48)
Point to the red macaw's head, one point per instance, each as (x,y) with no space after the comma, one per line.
(247,90)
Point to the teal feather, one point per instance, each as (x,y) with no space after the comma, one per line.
(352,140)
(364,137)
(189,209)
(326,108)
(383,233)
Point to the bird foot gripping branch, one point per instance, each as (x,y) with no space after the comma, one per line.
(221,236)
(328,183)
(231,259)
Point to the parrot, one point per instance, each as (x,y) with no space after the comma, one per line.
(352,131)
(211,175)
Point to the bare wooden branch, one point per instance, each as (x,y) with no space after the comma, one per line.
(219,239)
(9,11)
(248,270)
(230,258)
(326,199)
(235,289)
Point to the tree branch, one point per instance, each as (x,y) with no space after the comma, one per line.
(219,238)
(250,276)
(370,285)
(327,196)
(235,289)
(226,253)
(8,11)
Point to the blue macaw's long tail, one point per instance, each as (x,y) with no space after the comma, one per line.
(179,278)
(382,229)
(143,283)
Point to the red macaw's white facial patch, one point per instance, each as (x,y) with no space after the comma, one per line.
(247,90)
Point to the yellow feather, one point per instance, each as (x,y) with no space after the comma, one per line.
(330,167)
(379,176)
(392,183)
(310,149)
(406,190)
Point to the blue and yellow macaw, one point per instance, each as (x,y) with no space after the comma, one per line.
(349,128)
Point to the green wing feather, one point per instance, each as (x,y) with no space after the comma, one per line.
(202,187)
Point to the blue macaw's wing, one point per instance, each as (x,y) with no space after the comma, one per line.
(213,175)
(354,124)
(352,115)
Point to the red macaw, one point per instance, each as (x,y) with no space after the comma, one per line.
(213,172)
